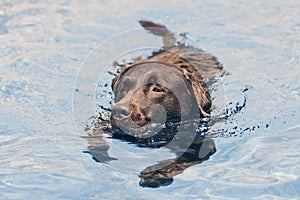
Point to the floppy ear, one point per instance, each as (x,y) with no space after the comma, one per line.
(203,98)
(201,93)
(117,78)
(114,81)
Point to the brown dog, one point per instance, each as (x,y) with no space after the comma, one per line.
(167,87)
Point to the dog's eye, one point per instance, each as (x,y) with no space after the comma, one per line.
(157,89)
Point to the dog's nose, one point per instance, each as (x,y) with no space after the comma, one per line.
(120,111)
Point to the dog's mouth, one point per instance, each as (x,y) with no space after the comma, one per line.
(127,126)
(150,134)
(142,124)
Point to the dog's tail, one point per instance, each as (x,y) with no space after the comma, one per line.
(160,30)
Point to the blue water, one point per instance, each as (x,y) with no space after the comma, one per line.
(43,46)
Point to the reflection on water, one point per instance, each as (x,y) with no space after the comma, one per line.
(160,174)
(42,46)
(163,173)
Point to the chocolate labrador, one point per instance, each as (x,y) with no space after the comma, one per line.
(169,87)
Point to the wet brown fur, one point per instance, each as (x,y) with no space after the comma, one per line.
(196,66)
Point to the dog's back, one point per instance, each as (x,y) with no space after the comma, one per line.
(192,59)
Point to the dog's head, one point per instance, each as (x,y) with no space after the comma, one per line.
(154,92)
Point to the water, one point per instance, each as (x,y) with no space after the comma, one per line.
(43,46)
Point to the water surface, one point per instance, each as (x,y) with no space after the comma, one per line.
(43,46)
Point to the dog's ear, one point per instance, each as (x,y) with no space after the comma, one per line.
(201,93)
(114,81)
(203,98)
(117,78)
